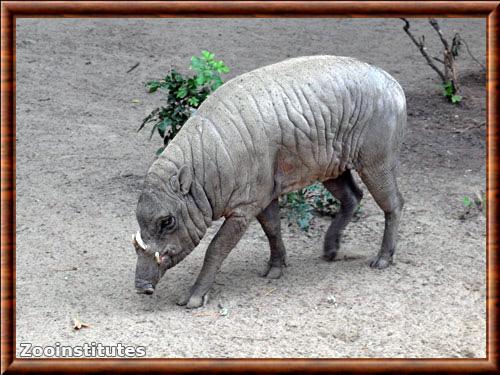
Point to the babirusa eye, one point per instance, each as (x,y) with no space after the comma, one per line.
(167,223)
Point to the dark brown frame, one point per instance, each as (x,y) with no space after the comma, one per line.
(13,9)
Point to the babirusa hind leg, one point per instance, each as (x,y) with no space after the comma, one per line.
(381,182)
(345,189)
(271,223)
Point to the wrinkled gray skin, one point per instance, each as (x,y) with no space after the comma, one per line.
(266,133)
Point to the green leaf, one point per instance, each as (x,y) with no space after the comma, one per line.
(448,89)
(175,76)
(149,118)
(191,83)
(200,80)
(193,101)
(152,86)
(467,202)
(182,92)
(217,83)
(166,122)
(207,55)
(155,126)
(196,63)
(456,99)
(304,221)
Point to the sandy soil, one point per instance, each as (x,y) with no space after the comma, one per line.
(80,165)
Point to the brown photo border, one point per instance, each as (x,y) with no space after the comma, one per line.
(251,9)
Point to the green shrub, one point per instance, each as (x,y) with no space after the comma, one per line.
(303,203)
(183,95)
(300,211)
(478,201)
(449,91)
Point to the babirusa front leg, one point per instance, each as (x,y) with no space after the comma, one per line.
(224,241)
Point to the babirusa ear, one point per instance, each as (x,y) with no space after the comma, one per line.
(184,180)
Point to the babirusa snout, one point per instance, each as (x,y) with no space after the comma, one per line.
(139,243)
(147,273)
(144,287)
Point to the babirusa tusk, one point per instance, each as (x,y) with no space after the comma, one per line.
(140,243)
(139,240)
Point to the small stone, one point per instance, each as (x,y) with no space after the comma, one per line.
(223,311)
(331,300)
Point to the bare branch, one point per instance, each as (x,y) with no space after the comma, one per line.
(436,27)
(470,53)
(449,55)
(422,50)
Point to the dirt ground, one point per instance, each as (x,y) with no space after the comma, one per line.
(80,165)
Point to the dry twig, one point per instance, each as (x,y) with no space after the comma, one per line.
(132,68)
(449,57)
(450,52)
(421,46)
(471,55)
